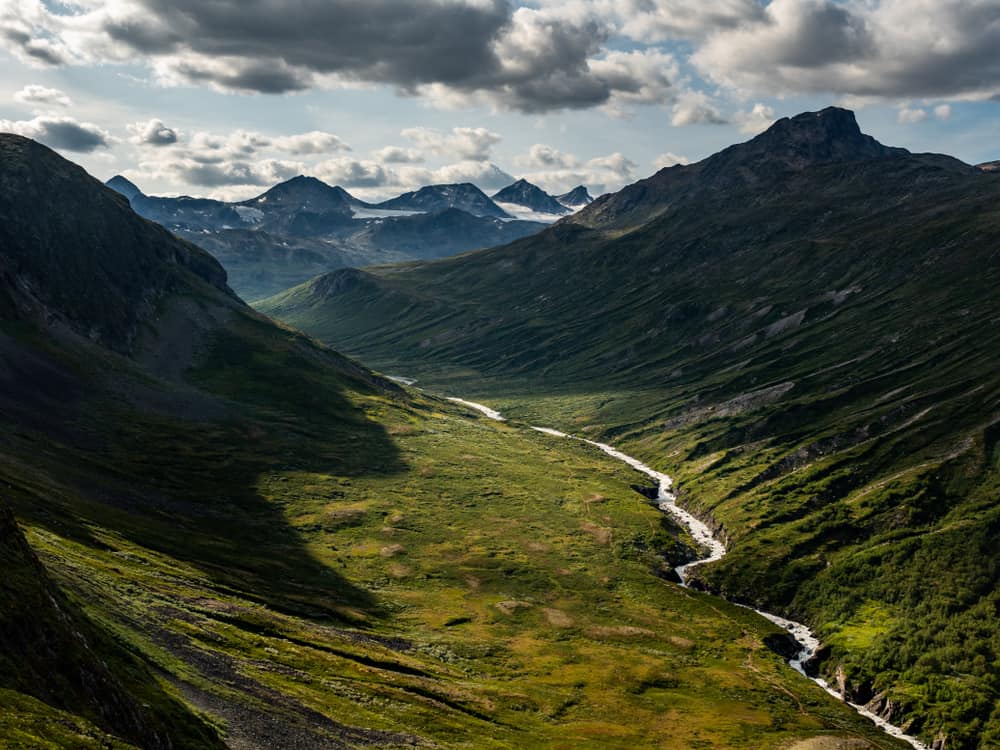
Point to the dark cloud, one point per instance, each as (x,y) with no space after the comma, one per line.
(401,42)
(528,59)
(152,133)
(889,49)
(61,133)
(36,49)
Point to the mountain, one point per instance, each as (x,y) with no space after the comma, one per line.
(465,196)
(216,532)
(576,198)
(801,329)
(124,187)
(523,193)
(304,227)
(989,166)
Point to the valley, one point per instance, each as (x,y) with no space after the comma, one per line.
(229,535)
(801,330)
(500,375)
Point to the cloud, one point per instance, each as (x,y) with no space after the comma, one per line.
(907,116)
(652,21)
(313,142)
(468,144)
(530,59)
(64,133)
(881,49)
(943,111)
(351,173)
(757,120)
(484,174)
(397,155)
(152,133)
(220,174)
(601,174)
(695,108)
(41,95)
(541,156)
(669,159)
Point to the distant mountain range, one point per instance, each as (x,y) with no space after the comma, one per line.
(805,328)
(304,227)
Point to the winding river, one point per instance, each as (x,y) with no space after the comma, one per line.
(716,550)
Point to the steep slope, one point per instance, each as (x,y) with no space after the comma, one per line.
(576,198)
(465,196)
(803,329)
(234,532)
(523,193)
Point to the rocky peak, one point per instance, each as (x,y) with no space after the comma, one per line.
(830,135)
(524,193)
(578,196)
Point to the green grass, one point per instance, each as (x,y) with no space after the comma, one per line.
(480,585)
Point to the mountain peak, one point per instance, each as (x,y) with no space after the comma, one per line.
(831,134)
(577,197)
(433,198)
(311,191)
(524,193)
(124,186)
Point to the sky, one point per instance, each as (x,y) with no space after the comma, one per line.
(228,97)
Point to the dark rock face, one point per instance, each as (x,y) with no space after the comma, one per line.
(523,193)
(783,644)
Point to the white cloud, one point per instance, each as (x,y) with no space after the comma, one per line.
(259,172)
(943,111)
(351,173)
(908,116)
(695,108)
(64,133)
(540,156)
(758,119)
(313,142)
(669,159)
(397,155)
(467,144)
(601,174)
(41,95)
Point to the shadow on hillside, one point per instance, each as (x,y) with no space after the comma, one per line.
(208,494)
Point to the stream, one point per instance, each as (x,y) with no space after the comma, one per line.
(667,502)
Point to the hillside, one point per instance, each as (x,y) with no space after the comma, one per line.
(802,329)
(226,534)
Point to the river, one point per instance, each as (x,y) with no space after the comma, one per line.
(716,550)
